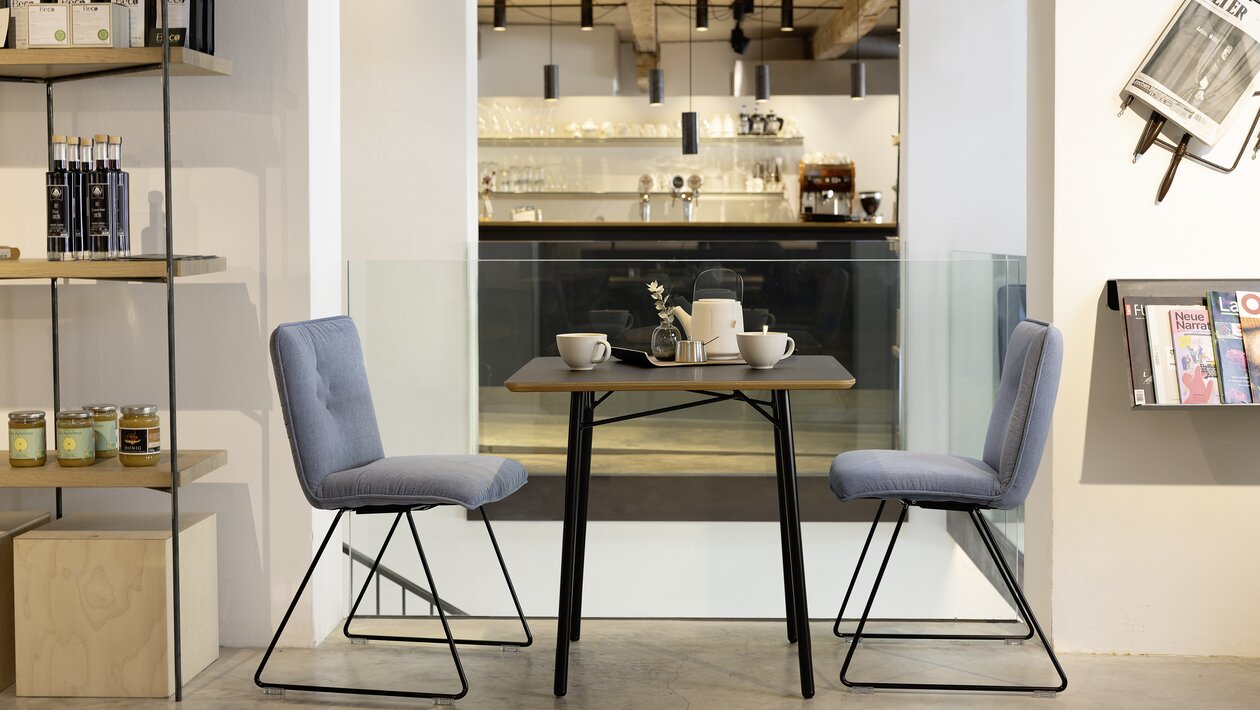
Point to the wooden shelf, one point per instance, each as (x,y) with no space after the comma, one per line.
(110,473)
(72,63)
(115,270)
(562,142)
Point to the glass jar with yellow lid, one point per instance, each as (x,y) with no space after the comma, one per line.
(76,441)
(139,435)
(28,435)
(105,426)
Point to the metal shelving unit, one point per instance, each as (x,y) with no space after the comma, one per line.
(50,67)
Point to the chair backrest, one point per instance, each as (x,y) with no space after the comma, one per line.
(1020,422)
(325,399)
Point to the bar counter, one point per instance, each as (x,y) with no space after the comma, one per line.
(675,231)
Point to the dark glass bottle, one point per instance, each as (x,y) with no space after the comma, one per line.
(85,202)
(122,198)
(60,206)
(78,231)
(102,207)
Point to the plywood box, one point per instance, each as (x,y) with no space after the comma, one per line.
(12,524)
(94,613)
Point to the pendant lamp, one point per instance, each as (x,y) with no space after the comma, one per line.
(551,72)
(588,15)
(762,74)
(690,123)
(787,22)
(857,70)
(656,76)
(702,16)
(500,15)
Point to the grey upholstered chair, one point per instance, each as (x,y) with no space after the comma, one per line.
(1017,433)
(342,466)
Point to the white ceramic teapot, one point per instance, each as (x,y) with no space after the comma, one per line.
(714,321)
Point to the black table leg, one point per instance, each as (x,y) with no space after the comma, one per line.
(788,590)
(792,518)
(584,491)
(572,470)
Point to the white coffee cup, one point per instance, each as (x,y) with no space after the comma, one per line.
(764,350)
(583,351)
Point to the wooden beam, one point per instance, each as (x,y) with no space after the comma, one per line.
(847,26)
(643,24)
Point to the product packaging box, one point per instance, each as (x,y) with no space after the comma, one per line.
(100,25)
(42,25)
(135,8)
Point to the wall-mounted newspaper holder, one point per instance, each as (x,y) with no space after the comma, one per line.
(1195,81)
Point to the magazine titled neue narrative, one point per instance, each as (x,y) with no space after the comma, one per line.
(1201,71)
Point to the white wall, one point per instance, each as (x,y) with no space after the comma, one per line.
(243,172)
(1154,527)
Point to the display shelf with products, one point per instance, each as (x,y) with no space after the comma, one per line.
(175,467)
(1132,297)
(634,141)
(44,64)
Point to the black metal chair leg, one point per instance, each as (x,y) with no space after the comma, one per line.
(258,680)
(1021,602)
(529,636)
(879,512)
(1019,609)
(437,598)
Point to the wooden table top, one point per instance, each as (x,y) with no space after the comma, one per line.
(800,372)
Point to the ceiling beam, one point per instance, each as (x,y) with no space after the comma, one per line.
(643,24)
(847,26)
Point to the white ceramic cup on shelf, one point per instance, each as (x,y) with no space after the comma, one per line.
(763,350)
(583,351)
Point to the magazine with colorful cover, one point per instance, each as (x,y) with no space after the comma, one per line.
(1192,350)
(1153,332)
(1249,318)
(1231,360)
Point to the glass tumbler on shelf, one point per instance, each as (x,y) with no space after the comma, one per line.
(664,341)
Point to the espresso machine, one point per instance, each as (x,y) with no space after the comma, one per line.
(827,192)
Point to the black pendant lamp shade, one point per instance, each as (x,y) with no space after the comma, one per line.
(857,81)
(762,77)
(588,15)
(786,22)
(656,87)
(551,82)
(690,133)
(702,15)
(500,15)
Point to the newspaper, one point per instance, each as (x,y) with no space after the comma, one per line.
(1202,70)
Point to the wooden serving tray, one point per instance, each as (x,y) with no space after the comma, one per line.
(642,359)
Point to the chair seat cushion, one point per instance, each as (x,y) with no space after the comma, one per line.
(898,475)
(470,481)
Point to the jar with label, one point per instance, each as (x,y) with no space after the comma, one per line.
(27,435)
(105,426)
(139,435)
(76,441)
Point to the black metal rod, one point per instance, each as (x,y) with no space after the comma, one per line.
(22,80)
(121,71)
(564,616)
(1209,164)
(584,494)
(173,427)
(663,410)
(520,612)
(345,628)
(600,401)
(391,576)
(879,512)
(757,408)
(789,590)
(56,317)
(792,509)
(870,600)
(446,627)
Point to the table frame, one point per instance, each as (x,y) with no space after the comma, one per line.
(582,423)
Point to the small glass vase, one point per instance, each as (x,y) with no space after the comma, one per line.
(664,341)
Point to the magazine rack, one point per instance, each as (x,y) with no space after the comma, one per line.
(1120,289)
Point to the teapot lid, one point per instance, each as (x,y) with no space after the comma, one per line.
(718,284)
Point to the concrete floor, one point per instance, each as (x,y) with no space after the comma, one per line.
(705,664)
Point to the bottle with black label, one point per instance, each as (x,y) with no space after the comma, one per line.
(78,232)
(122,198)
(84,246)
(102,206)
(60,206)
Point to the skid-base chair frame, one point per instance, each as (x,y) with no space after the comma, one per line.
(520,613)
(449,639)
(1022,608)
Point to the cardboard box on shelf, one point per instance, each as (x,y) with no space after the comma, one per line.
(100,25)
